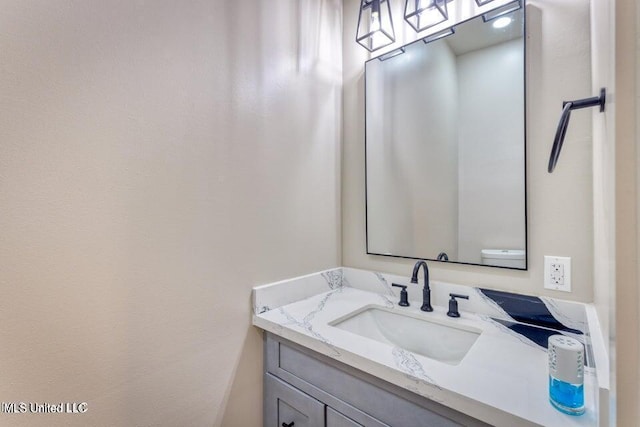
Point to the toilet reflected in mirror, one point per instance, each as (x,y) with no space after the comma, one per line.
(510,258)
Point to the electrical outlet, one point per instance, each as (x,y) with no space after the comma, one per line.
(557,273)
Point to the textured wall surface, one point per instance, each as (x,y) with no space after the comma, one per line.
(157,160)
(560,207)
(627,218)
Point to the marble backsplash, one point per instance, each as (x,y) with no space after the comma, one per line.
(542,312)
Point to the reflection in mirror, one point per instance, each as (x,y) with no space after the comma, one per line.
(445,147)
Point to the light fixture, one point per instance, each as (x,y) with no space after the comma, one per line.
(375,26)
(502,10)
(391,54)
(439,35)
(423,14)
(502,22)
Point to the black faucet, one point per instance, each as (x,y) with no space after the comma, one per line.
(426,290)
(442,256)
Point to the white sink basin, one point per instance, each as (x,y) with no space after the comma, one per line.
(439,340)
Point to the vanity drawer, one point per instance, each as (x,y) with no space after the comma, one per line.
(287,406)
(336,419)
(361,397)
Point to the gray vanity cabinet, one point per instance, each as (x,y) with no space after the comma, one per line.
(336,419)
(288,406)
(311,389)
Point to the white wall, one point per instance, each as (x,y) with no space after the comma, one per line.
(559,205)
(624,17)
(604,203)
(415,92)
(158,159)
(491,183)
(616,64)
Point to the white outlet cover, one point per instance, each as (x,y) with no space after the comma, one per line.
(557,273)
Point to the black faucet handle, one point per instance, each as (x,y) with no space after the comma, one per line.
(453,305)
(404,295)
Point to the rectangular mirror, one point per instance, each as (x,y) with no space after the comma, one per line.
(445,147)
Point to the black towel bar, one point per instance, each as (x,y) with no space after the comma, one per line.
(567,107)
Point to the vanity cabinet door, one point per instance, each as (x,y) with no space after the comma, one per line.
(286,406)
(336,419)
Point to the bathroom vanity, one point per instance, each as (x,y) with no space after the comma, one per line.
(340,351)
(308,389)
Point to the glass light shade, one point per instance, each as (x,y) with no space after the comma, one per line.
(423,14)
(375,26)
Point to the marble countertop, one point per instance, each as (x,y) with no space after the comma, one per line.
(502,380)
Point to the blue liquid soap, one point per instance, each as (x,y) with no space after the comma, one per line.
(566,397)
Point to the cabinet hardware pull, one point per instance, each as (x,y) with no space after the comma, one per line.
(291,424)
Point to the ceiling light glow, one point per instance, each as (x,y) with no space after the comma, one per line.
(502,22)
